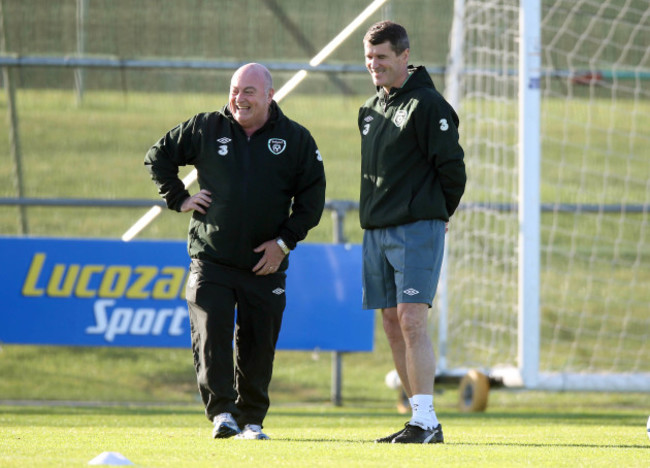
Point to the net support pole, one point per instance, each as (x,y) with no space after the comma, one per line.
(14,133)
(529,191)
(289,86)
(79,73)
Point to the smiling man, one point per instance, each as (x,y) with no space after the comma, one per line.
(412,179)
(262,188)
(251,94)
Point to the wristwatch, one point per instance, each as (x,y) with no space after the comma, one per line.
(282,245)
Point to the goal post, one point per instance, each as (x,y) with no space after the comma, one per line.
(547,255)
(529,148)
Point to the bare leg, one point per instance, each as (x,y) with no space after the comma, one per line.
(406,330)
(397,345)
(419,356)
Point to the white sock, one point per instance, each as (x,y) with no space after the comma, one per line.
(434,418)
(423,412)
(411,403)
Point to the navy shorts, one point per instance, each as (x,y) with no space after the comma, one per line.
(401,264)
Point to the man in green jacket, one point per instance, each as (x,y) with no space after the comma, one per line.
(262,188)
(412,180)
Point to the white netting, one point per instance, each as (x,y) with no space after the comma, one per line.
(595,183)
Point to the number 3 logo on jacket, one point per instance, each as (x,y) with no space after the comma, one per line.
(366,127)
(223,147)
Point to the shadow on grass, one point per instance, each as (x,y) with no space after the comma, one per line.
(472,444)
(549,444)
(631,419)
(324,411)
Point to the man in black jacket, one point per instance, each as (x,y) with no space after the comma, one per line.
(262,188)
(412,179)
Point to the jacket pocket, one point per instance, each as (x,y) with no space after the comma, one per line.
(428,201)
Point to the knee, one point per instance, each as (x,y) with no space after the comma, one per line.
(413,326)
(413,331)
(392,326)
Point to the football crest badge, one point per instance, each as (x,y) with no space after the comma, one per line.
(400,117)
(277,145)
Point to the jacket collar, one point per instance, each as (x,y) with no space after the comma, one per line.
(418,78)
(275,114)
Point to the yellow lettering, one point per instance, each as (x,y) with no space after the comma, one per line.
(167,288)
(29,287)
(137,289)
(84,278)
(114,281)
(62,282)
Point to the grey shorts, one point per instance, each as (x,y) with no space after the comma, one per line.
(401,264)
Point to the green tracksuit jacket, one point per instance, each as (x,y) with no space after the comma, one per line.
(270,185)
(412,165)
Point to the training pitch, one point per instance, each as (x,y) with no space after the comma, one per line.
(519,428)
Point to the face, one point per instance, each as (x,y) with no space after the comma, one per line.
(386,68)
(249,102)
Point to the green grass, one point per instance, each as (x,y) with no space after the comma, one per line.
(96,150)
(519,429)
(592,154)
(167,375)
(593,266)
(143,403)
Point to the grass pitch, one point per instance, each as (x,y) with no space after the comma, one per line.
(97,151)
(143,403)
(572,430)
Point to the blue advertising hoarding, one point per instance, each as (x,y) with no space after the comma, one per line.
(132,294)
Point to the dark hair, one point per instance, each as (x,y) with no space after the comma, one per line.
(388,31)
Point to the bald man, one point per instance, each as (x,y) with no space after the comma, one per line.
(261,189)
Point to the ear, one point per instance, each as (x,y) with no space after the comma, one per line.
(406,54)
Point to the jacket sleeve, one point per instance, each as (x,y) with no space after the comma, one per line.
(438,137)
(176,148)
(309,194)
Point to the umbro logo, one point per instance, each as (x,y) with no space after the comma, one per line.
(411,292)
(370,118)
(278,291)
(223,147)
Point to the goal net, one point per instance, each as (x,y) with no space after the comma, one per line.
(595,191)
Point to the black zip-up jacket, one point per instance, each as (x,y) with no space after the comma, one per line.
(412,164)
(271,184)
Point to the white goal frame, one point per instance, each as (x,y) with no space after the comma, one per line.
(527,373)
